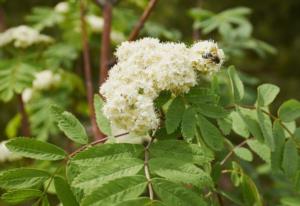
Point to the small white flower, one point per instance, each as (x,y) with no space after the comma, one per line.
(95,22)
(45,79)
(23,37)
(27,94)
(6,155)
(62,7)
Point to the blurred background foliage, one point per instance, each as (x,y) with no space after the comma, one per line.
(262,38)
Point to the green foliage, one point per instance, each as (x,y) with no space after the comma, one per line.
(173,194)
(266,94)
(262,150)
(35,149)
(102,122)
(42,17)
(102,167)
(289,110)
(72,128)
(279,139)
(290,158)
(116,191)
(266,127)
(174,114)
(18,196)
(22,178)
(189,124)
(64,192)
(237,87)
(14,78)
(243,153)
(234,29)
(211,134)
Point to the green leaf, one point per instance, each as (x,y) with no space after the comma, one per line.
(55,112)
(225,125)
(279,139)
(290,159)
(262,150)
(116,191)
(238,125)
(72,128)
(243,153)
(186,152)
(35,149)
(265,124)
(251,121)
(19,196)
(237,86)
(14,78)
(11,129)
(142,201)
(162,99)
(22,178)
(107,152)
(289,110)
(95,176)
(180,172)
(199,95)
(189,123)
(266,93)
(175,194)
(290,201)
(212,111)
(250,192)
(45,201)
(64,192)
(102,122)
(210,134)
(174,114)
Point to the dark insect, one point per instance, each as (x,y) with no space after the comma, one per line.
(213,58)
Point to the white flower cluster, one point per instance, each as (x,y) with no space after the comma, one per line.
(43,81)
(62,7)
(95,22)
(147,67)
(6,155)
(23,37)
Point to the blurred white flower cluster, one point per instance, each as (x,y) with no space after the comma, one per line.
(62,7)
(43,81)
(147,67)
(23,37)
(6,155)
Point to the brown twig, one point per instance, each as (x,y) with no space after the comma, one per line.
(231,151)
(138,27)
(88,73)
(105,44)
(24,117)
(99,141)
(220,200)
(2,20)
